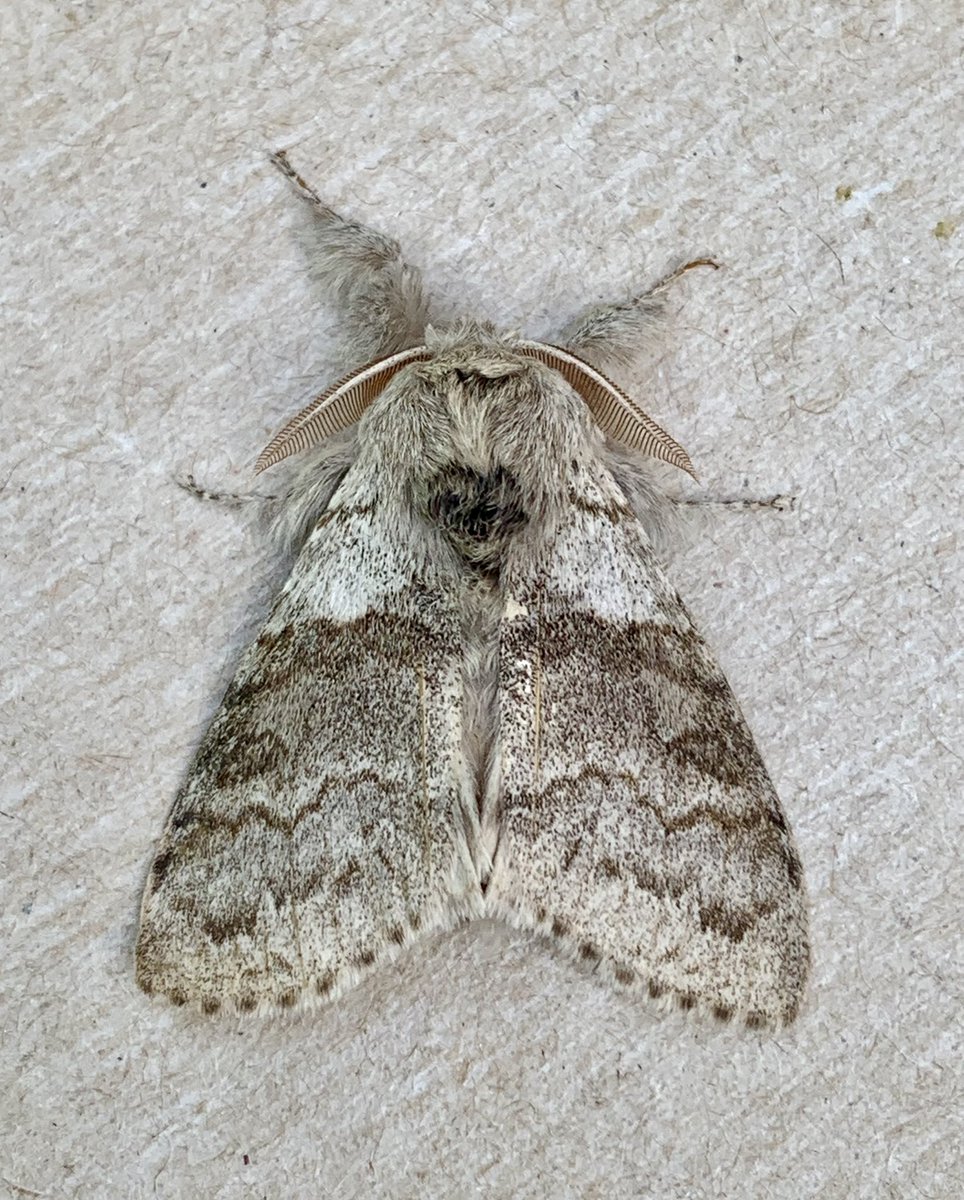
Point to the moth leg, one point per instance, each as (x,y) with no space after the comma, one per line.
(663,513)
(380,295)
(231,499)
(612,333)
(782,502)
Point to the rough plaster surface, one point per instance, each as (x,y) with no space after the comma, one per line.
(158,319)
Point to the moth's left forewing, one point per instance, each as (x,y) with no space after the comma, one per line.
(323,822)
(636,823)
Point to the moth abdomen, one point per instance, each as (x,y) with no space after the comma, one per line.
(478,512)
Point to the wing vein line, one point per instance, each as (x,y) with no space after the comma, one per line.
(537,699)
(423,766)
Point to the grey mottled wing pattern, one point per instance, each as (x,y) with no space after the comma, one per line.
(314,833)
(638,824)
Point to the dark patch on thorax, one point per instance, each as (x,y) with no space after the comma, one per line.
(478,513)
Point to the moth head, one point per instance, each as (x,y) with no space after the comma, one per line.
(485,357)
(469,352)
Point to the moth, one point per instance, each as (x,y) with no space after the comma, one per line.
(477,693)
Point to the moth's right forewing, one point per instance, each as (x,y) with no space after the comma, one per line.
(323,821)
(637,823)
